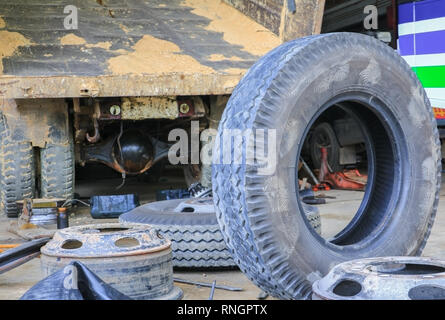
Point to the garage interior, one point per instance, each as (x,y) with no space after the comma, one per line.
(349,168)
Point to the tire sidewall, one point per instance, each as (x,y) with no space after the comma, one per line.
(373,73)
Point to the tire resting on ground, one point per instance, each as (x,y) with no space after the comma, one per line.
(196,238)
(17,175)
(313,217)
(57,171)
(259,215)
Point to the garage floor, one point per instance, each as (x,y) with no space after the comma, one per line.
(15,283)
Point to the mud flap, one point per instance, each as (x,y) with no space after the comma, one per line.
(39,121)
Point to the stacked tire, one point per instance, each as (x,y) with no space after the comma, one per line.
(196,239)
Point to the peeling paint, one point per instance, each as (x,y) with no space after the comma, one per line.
(71,39)
(10,42)
(235,71)
(104,45)
(220,57)
(236,27)
(153,55)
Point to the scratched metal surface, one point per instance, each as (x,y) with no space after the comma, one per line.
(35,64)
(42,23)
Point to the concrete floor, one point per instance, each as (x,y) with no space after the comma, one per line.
(14,283)
(335,215)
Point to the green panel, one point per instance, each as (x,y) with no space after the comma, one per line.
(431,77)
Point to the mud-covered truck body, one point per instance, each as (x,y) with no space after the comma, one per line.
(105,81)
(77,77)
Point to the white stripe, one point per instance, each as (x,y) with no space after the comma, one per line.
(437,93)
(425,60)
(422,26)
(436,96)
(436,103)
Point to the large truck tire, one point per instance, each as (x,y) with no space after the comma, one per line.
(261,216)
(57,170)
(17,173)
(196,238)
(313,217)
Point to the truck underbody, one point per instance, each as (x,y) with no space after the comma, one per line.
(111,90)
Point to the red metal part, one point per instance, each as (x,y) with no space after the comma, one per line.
(347,180)
(324,170)
(321,186)
(338,180)
(356,176)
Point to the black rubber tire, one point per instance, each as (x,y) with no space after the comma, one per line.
(57,171)
(313,217)
(333,148)
(260,216)
(196,238)
(17,173)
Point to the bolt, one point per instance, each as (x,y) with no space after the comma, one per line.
(115,110)
(184,108)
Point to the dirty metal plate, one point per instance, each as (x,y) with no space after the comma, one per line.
(133,259)
(149,108)
(50,114)
(105,240)
(275,15)
(383,278)
(194,46)
(117,85)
